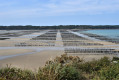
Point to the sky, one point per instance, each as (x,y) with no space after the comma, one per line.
(59,12)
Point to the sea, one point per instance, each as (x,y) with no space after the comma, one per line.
(111,33)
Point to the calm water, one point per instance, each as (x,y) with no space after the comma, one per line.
(113,33)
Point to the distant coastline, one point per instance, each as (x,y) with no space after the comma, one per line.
(31,27)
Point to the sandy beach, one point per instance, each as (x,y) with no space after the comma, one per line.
(33,50)
(31,61)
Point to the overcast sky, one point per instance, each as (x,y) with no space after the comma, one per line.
(59,12)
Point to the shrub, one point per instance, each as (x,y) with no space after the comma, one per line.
(110,72)
(65,59)
(16,74)
(115,59)
(60,68)
(49,72)
(70,73)
(59,72)
(94,65)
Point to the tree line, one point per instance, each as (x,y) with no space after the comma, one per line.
(30,27)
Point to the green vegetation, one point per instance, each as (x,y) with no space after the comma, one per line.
(67,68)
(30,27)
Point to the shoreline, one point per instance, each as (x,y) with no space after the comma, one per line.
(48,44)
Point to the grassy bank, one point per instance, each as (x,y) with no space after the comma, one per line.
(67,68)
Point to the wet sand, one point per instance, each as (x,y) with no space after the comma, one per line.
(44,52)
(7,52)
(31,61)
